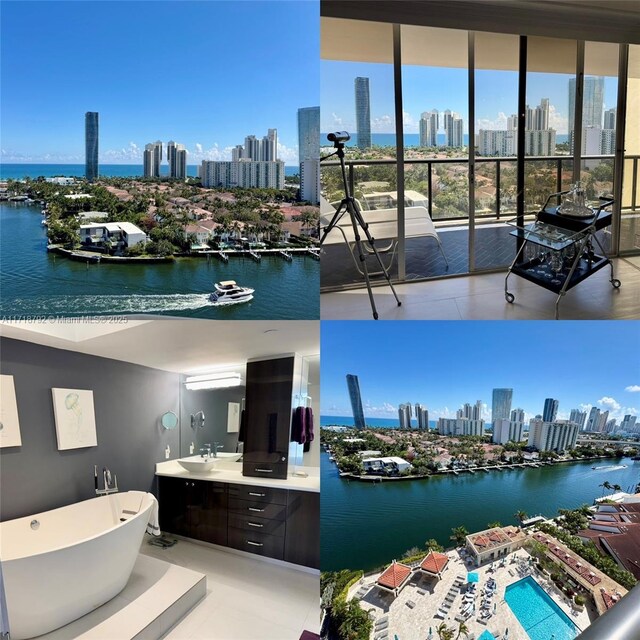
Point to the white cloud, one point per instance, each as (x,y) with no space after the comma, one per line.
(410,125)
(382,124)
(288,154)
(615,409)
(198,147)
(500,123)
(557,121)
(609,403)
(337,120)
(385,410)
(634,388)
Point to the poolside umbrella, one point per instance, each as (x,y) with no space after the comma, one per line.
(472,577)
(506,633)
(495,606)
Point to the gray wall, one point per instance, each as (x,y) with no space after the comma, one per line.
(214,404)
(129,400)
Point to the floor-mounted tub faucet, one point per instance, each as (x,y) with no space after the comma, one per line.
(106,476)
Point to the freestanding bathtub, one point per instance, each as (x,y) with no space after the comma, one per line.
(60,565)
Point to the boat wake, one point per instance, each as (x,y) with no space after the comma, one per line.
(611,467)
(228,302)
(107,304)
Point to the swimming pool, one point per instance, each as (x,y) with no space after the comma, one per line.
(540,616)
(486,635)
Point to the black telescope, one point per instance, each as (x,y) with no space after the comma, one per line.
(338,136)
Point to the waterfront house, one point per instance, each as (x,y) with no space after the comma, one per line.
(201,233)
(389,465)
(124,234)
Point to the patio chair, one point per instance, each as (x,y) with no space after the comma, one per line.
(381,627)
(383,227)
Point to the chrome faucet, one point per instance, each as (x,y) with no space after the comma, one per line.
(207,451)
(106,476)
(216,447)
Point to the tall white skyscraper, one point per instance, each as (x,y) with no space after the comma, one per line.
(429,124)
(177,159)
(152,159)
(455,134)
(237,153)
(252,148)
(404,415)
(609,119)
(552,436)
(593,419)
(578,417)
(422,416)
(592,104)
(550,410)
(269,146)
(309,151)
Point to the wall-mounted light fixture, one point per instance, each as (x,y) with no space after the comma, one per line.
(213,381)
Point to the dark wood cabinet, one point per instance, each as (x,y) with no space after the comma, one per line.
(277,523)
(194,509)
(302,541)
(268,418)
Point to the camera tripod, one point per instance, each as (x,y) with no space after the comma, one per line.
(349,205)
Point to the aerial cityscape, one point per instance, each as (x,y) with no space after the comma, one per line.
(159,227)
(506,494)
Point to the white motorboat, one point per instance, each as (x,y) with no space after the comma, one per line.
(228,292)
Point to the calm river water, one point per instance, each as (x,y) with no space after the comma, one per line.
(33,282)
(366,525)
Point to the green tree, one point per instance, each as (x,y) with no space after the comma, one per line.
(444,632)
(433,545)
(353,623)
(521,515)
(459,535)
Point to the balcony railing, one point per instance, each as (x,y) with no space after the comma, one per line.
(498,162)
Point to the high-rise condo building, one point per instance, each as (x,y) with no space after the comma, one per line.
(363,113)
(177,158)
(593,419)
(356,402)
(91,145)
(460,427)
(248,174)
(252,148)
(628,423)
(455,134)
(269,146)
(308,150)
(552,436)
(404,415)
(517,415)
(422,415)
(550,410)
(592,103)
(609,119)
(579,417)
(429,124)
(237,153)
(497,142)
(501,404)
(152,159)
(505,430)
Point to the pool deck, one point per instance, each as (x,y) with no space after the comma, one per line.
(413,612)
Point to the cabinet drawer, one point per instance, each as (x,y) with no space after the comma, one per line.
(258,469)
(256,525)
(259,543)
(258,509)
(258,494)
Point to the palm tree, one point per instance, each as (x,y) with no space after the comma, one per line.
(616,487)
(462,630)
(444,633)
(605,485)
(459,534)
(521,515)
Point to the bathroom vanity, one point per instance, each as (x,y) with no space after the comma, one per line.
(276,518)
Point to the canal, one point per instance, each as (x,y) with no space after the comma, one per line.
(366,525)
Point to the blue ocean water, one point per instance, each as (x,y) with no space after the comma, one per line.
(19,171)
(410,139)
(384,423)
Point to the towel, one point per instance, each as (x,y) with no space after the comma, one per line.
(153,526)
(130,504)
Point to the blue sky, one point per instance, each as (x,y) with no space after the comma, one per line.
(445,364)
(426,88)
(204,74)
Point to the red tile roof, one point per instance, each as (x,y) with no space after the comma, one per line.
(434,562)
(394,575)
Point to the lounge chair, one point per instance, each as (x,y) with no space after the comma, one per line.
(382,626)
(410,604)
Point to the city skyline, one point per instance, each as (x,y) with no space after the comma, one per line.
(195,104)
(464,364)
(496,96)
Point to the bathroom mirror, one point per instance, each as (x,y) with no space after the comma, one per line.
(306,396)
(197,420)
(221,423)
(169,420)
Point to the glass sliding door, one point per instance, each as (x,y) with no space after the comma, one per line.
(357,95)
(630,220)
(436,150)
(496,59)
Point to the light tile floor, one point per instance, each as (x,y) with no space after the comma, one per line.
(481,297)
(246,598)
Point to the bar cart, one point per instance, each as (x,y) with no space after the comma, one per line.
(558,251)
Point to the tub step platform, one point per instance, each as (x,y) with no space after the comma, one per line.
(157,595)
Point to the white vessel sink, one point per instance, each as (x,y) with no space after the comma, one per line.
(228,457)
(197,464)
